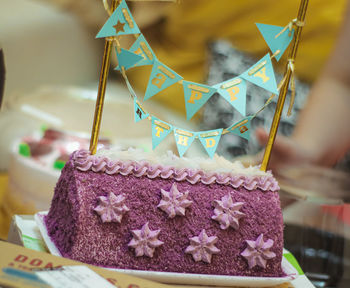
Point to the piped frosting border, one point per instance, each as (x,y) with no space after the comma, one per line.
(83,161)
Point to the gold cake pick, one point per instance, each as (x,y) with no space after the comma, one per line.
(289,72)
(101,89)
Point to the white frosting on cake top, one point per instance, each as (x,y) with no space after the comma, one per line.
(216,164)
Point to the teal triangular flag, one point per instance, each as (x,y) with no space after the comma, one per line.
(142,48)
(210,140)
(234,91)
(127,59)
(196,95)
(262,74)
(139,112)
(242,128)
(120,22)
(160,130)
(161,77)
(184,139)
(269,32)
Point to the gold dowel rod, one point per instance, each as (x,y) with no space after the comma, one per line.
(284,88)
(101,91)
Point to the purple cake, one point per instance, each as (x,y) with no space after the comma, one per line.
(129,210)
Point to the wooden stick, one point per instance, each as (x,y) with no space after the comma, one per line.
(284,88)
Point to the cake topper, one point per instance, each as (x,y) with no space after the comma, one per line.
(288,75)
(196,95)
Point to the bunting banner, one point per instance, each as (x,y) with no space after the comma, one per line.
(161,77)
(160,130)
(275,39)
(183,139)
(234,92)
(196,95)
(210,140)
(139,112)
(119,23)
(127,59)
(241,128)
(262,74)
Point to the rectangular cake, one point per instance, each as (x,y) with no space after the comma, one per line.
(133,210)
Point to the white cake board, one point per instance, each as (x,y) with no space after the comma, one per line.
(184,278)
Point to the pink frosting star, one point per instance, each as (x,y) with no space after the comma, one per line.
(174,202)
(145,241)
(111,208)
(227,213)
(257,252)
(202,247)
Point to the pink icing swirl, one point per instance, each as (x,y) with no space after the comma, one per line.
(145,241)
(83,161)
(258,252)
(174,202)
(202,247)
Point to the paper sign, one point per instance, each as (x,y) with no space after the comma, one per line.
(160,130)
(269,32)
(241,128)
(17,262)
(161,77)
(73,276)
(196,95)
(119,23)
(234,92)
(262,74)
(127,59)
(184,139)
(139,112)
(210,140)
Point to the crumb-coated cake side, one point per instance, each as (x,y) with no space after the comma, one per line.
(140,214)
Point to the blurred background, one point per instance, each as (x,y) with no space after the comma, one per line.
(52,63)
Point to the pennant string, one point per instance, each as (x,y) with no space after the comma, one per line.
(292,86)
(107,8)
(116,41)
(289,26)
(122,69)
(111,39)
(268,101)
(275,54)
